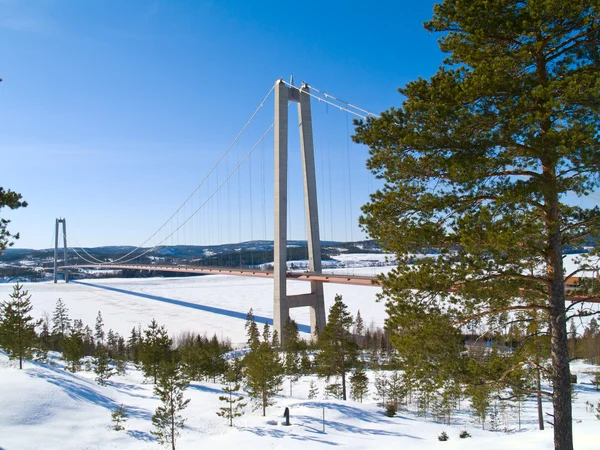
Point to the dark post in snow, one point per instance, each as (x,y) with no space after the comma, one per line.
(286,414)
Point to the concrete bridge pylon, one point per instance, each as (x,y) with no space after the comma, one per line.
(282,302)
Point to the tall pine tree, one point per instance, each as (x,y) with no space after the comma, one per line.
(264,373)
(338,352)
(169,387)
(155,347)
(481,163)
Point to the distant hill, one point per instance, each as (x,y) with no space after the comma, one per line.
(32,264)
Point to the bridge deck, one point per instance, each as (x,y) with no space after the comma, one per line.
(300,276)
(356,280)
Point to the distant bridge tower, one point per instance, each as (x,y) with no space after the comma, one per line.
(314,300)
(64,230)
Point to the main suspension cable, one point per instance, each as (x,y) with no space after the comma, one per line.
(204,179)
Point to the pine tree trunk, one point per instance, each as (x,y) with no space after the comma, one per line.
(561,377)
(172,423)
(539,400)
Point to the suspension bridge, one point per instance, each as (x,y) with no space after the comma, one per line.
(200,218)
(224,196)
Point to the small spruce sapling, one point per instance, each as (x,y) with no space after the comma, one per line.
(233,403)
(313,391)
(119,417)
(102,367)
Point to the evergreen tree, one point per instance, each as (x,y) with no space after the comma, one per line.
(60,320)
(233,403)
(382,389)
(359,329)
(252,330)
(132,346)
(13,201)
(88,341)
(169,387)
(313,391)
(359,384)
(291,348)
(73,347)
(214,363)
(334,390)
(102,367)
(480,402)
(507,132)
(266,335)
(264,375)
(99,335)
(154,347)
(17,327)
(45,338)
(111,342)
(119,417)
(338,353)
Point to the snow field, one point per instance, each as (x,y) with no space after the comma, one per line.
(204,304)
(44,406)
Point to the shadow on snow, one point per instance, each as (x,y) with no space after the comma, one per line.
(210,309)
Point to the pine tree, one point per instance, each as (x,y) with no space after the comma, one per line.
(111,342)
(264,375)
(291,348)
(382,387)
(72,345)
(338,353)
(13,201)
(266,335)
(252,330)
(482,163)
(480,402)
(233,403)
(102,367)
(119,417)
(359,329)
(99,335)
(132,346)
(313,391)
(169,387)
(60,320)
(359,385)
(17,327)
(45,338)
(154,347)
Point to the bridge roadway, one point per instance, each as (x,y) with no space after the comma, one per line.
(356,280)
(299,276)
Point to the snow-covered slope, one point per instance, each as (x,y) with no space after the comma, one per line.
(47,407)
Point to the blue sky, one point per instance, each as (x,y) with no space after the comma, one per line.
(111,112)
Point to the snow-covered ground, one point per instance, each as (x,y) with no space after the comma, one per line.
(204,304)
(47,407)
(44,406)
